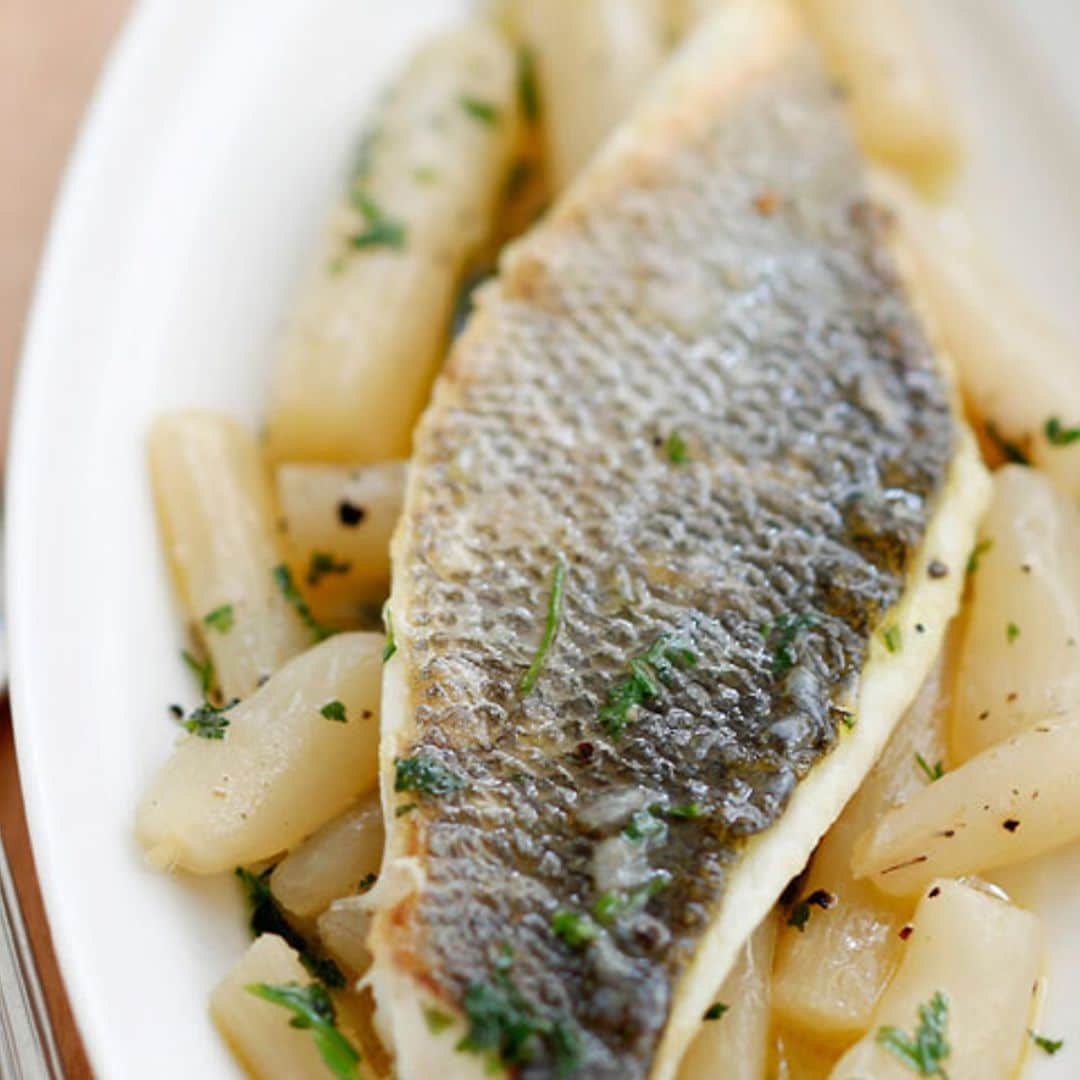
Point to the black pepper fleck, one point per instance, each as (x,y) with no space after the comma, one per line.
(906,932)
(1010,824)
(349,514)
(935,891)
(937,569)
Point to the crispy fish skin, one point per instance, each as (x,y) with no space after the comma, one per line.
(718,276)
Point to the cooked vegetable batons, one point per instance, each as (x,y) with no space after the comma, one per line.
(593,58)
(969,969)
(1016,374)
(217,518)
(259,1031)
(1012,801)
(734,1037)
(338,860)
(287,762)
(369,333)
(1020,661)
(896,101)
(832,965)
(338,523)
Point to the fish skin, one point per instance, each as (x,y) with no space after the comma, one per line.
(730,283)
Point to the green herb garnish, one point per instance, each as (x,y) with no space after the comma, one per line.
(977,552)
(932,772)
(924,1051)
(1012,452)
(528,90)
(208,721)
(687,811)
(658,664)
(551,627)
(644,825)
(405,808)
(677,450)
(800,913)
(268,918)
(220,619)
(1059,435)
(575,929)
(284,580)
(322,564)
(367,882)
(437,1021)
(715,1011)
(203,670)
(334,710)
(426,776)
(1012,632)
(313,1011)
(480,110)
(391,645)
(379,229)
(780,635)
(1048,1046)
(891,636)
(608,906)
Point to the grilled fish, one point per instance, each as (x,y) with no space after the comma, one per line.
(686,520)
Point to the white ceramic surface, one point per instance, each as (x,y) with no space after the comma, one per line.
(215,141)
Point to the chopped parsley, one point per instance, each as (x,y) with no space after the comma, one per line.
(268,918)
(926,1050)
(656,665)
(575,929)
(426,776)
(932,772)
(609,905)
(800,913)
(334,710)
(1012,632)
(323,564)
(464,304)
(1059,435)
(405,808)
(1012,452)
(203,670)
(207,721)
(313,1011)
(379,229)
(480,110)
(284,580)
(391,645)
(367,882)
(715,1011)
(220,619)
(644,825)
(687,811)
(437,1021)
(676,449)
(551,627)
(977,552)
(780,636)
(508,1028)
(528,90)
(1048,1046)
(891,636)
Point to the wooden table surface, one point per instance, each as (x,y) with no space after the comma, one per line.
(50,55)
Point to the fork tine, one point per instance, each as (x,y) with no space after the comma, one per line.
(27,1047)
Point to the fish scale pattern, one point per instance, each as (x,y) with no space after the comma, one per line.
(736,291)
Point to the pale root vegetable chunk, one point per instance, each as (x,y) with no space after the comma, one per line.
(735,1044)
(828,974)
(343,930)
(259,1031)
(338,523)
(593,59)
(897,103)
(982,956)
(798,1058)
(333,862)
(280,769)
(369,333)
(219,526)
(1014,800)
(1015,372)
(1021,655)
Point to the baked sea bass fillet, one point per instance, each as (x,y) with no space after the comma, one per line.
(686,520)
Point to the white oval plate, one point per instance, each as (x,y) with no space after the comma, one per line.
(214,144)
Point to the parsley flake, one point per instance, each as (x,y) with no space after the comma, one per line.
(780,635)
(334,710)
(284,580)
(644,825)
(977,552)
(575,929)
(1048,1046)
(426,776)
(391,645)
(313,1011)
(437,1021)
(891,636)
(203,670)
(551,628)
(932,772)
(677,451)
(220,619)
(926,1050)
(480,110)
(208,721)
(715,1011)
(322,564)
(528,90)
(379,229)
(1012,632)
(800,913)
(657,665)
(1059,435)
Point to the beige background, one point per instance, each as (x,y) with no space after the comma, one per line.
(50,55)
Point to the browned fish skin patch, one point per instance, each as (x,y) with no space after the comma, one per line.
(815,432)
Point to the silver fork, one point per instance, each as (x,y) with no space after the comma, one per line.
(27,1047)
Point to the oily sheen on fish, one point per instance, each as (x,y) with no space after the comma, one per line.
(700,407)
